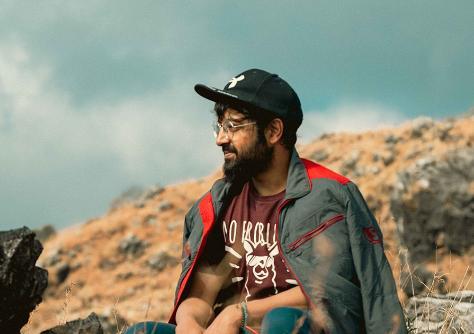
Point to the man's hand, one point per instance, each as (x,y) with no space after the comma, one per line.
(192,316)
(189,327)
(228,321)
(196,311)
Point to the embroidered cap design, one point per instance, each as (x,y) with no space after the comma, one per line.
(234,81)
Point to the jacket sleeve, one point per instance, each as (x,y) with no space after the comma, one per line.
(382,310)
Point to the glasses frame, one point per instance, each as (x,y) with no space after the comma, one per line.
(228,127)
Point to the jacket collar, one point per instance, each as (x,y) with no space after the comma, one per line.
(298,183)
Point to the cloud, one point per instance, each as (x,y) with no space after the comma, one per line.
(47,141)
(148,128)
(348,117)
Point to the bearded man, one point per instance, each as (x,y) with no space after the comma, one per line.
(278,238)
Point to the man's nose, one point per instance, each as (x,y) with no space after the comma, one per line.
(222,138)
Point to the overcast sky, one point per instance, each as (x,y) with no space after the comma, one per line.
(97,96)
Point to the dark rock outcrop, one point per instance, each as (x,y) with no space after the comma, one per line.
(62,273)
(21,283)
(89,325)
(433,204)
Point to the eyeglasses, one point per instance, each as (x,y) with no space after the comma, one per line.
(228,127)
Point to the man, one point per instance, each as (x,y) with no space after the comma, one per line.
(279,237)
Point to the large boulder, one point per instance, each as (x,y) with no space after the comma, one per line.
(433,205)
(21,283)
(451,313)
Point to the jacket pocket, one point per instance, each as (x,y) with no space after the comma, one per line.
(314,232)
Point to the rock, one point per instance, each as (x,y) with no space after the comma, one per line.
(124,276)
(451,313)
(136,196)
(319,155)
(391,139)
(419,280)
(132,246)
(373,170)
(130,195)
(442,131)
(150,220)
(376,157)
(432,198)
(62,273)
(164,206)
(44,233)
(326,136)
(107,264)
(420,125)
(388,158)
(21,283)
(162,260)
(89,325)
(152,192)
(112,322)
(71,254)
(349,165)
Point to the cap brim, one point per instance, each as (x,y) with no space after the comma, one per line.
(218,95)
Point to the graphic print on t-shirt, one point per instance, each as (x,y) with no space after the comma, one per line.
(249,230)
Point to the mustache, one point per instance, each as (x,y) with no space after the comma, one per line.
(229,148)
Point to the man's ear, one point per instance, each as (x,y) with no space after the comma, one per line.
(274,131)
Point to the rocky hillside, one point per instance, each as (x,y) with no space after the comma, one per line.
(124,266)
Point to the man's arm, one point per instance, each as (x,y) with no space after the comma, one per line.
(230,318)
(293,297)
(382,309)
(196,311)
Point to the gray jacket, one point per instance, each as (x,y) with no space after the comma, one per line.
(330,241)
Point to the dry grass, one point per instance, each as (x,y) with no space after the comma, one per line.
(449,313)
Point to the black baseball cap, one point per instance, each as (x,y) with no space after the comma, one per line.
(258,90)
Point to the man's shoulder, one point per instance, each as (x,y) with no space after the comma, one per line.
(317,171)
(212,194)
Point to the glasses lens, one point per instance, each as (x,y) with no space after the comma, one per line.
(215,129)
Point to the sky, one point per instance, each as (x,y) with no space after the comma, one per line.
(97,96)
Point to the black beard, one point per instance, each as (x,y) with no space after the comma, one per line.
(248,164)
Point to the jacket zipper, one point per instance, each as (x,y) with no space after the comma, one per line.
(280,208)
(311,234)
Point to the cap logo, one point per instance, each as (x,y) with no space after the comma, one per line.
(234,81)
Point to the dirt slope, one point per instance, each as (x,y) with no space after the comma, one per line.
(113,265)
